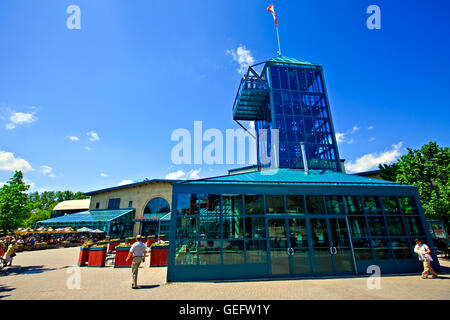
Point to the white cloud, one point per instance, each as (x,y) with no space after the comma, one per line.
(242,56)
(88,148)
(355,128)
(46,170)
(10,163)
(252,124)
(51,175)
(370,127)
(175,175)
(10,126)
(340,137)
(73,138)
(93,136)
(22,118)
(29,183)
(372,160)
(124,182)
(372,139)
(2,184)
(104,175)
(193,174)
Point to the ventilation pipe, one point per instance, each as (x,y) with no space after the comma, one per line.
(305,160)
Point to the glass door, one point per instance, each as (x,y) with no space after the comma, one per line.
(279,247)
(299,251)
(342,252)
(321,245)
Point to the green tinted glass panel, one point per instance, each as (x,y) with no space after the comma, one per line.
(362,250)
(408,205)
(233,251)
(274,204)
(187,204)
(357,226)
(187,228)
(372,205)
(335,204)
(396,226)
(255,228)
(401,248)
(414,226)
(390,205)
(381,248)
(209,226)
(232,204)
(354,204)
(209,252)
(377,226)
(209,204)
(256,251)
(233,227)
(314,204)
(254,204)
(186,252)
(295,204)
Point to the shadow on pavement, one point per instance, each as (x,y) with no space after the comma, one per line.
(15,270)
(149,287)
(4,288)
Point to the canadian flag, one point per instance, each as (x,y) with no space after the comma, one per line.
(272,10)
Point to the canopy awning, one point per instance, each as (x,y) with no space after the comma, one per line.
(86,217)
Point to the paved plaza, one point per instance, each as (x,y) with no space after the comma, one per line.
(44,275)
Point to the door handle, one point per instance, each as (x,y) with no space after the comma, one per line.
(331,250)
(335,250)
(290,251)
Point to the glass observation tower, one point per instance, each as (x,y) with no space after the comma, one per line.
(289,95)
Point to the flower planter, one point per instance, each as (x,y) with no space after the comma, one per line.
(150,240)
(83,257)
(28,248)
(158,256)
(162,237)
(112,245)
(97,257)
(130,242)
(120,259)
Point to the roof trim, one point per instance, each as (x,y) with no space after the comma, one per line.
(134,184)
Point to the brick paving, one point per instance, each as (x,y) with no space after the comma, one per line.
(44,275)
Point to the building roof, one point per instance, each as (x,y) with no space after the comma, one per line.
(283,59)
(82,204)
(294,177)
(88,216)
(134,184)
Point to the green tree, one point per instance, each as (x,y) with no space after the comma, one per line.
(14,205)
(429,169)
(37,215)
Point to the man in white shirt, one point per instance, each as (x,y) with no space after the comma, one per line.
(138,252)
(424,253)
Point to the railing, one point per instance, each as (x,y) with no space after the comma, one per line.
(249,83)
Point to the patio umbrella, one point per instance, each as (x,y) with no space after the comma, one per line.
(85,229)
(97,231)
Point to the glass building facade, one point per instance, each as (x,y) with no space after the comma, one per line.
(286,222)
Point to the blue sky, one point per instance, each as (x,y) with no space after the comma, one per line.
(137,70)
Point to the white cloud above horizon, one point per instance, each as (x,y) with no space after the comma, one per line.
(93,136)
(243,57)
(372,160)
(124,182)
(46,170)
(19,118)
(9,162)
(104,175)
(183,175)
(73,138)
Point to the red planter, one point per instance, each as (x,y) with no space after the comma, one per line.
(83,257)
(130,242)
(150,240)
(162,238)
(97,257)
(112,245)
(158,256)
(120,259)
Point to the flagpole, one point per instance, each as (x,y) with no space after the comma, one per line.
(278,37)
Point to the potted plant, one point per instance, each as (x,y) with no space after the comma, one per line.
(97,255)
(158,254)
(84,254)
(122,251)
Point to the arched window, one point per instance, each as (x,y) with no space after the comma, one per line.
(157,205)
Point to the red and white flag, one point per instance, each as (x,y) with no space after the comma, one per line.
(272,10)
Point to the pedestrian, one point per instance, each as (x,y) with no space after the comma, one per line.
(11,252)
(424,253)
(137,250)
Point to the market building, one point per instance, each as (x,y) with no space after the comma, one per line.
(303,218)
(69,207)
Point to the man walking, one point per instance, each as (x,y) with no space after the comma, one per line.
(424,255)
(137,250)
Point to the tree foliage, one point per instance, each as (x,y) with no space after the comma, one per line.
(429,169)
(14,204)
